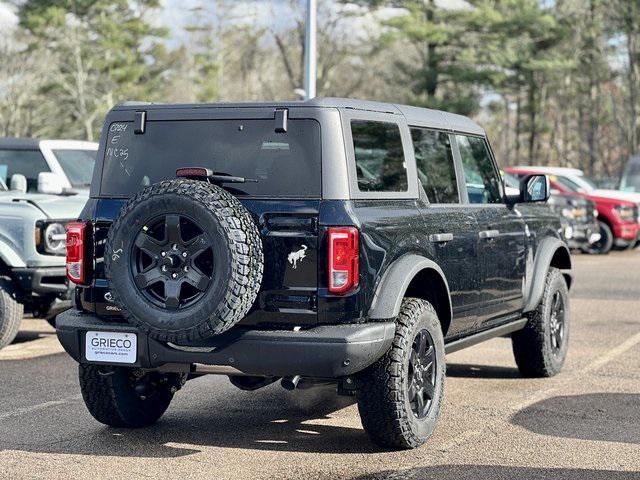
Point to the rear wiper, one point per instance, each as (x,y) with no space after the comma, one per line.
(224,178)
(214,177)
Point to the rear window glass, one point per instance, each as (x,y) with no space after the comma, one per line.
(379,156)
(281,164)
(25,162)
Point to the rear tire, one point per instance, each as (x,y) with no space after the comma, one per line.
(605,244)
(541,347)
(112,398)
(10,313)
(385,389)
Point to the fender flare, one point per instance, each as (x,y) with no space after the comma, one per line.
(545,253)
(394,284)
(10,257)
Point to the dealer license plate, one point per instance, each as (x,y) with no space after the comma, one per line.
(113,347)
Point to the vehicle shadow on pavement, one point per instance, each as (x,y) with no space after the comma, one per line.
(463,370)
(268,419)
(28,335)
(608,417)
(272,419)
(498,472)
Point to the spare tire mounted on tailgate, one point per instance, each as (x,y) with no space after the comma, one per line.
(184,260)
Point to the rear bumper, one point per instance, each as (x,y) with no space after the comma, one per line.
(325,351)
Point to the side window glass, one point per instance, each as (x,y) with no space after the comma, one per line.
(434,160)
(481,178)
(379,156)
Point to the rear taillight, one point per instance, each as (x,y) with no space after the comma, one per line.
(344,249)
(76,261)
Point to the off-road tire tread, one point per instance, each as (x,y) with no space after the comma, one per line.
(103,402)
(247,258)
(532,356)
(380,390)
(11,312)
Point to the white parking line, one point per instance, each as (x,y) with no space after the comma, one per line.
(40,347)
(613,353)
(41,406)
(596,364)
(460,439)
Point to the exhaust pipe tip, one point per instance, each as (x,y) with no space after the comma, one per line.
(290,383)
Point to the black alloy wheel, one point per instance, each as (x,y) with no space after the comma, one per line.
(540,348)
(422,374)
(556,323)
(173,261)
(400,394)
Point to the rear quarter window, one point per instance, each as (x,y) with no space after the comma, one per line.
(282,164)
(379,156)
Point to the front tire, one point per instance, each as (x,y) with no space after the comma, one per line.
(399,396)
(10,313)
(605,244)
(540,349)
(126,397)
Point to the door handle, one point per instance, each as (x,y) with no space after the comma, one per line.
(489,234)
(441,237)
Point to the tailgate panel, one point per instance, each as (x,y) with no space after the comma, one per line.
(289,231)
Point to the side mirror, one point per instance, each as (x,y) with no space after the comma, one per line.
(51,183)
(18,183)
(534,188)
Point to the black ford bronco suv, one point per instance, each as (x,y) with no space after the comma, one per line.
(327,241)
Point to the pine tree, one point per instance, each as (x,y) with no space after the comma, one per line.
(102,52)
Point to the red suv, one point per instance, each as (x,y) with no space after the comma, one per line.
(617,211)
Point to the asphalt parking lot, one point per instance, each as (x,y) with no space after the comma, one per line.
(583,424)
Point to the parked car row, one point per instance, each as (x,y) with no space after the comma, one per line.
(618,211)
(43,186)
(578,215)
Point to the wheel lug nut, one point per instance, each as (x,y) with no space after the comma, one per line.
(184,254)
(164,268)
(174,275)
(163,254)
(175,247)
(186,269)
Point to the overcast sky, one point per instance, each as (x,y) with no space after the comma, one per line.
(7,17)
(176,13)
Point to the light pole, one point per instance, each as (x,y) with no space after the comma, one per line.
(310,50)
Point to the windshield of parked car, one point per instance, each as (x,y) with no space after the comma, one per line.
(510,180)
(77,165)
(575,183)
(631,179)
(23,162)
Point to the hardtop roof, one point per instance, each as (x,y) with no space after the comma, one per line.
(12,143)
(415,115)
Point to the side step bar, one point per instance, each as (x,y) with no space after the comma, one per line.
(486,335)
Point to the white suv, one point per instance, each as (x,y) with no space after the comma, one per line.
(63,165)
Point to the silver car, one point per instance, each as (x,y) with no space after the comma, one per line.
(32,250)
